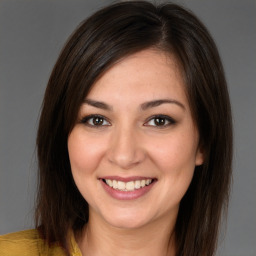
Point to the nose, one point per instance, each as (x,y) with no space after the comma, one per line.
(126,150)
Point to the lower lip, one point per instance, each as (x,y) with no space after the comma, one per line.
(126,195)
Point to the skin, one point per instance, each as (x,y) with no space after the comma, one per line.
(129,142)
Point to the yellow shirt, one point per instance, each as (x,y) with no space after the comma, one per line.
(28,243)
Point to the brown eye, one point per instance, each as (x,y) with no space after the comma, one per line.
(160,121)
(95,121)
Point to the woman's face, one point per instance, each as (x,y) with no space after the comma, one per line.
(134,148)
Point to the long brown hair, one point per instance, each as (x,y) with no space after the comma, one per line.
(100,41)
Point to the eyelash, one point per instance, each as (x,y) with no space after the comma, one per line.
(86,120)
(168,119)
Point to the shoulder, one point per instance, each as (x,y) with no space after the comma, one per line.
(22,242)
(26,243)
(29,234)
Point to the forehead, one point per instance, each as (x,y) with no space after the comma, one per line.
(145,75)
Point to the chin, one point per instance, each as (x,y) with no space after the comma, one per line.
(127,220)
(127,224)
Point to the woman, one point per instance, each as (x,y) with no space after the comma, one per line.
(134,140)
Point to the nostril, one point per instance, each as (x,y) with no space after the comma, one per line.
(125,150)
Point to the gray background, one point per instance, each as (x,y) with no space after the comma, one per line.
(31,36)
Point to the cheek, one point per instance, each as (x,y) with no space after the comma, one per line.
(175,153)
(175,157)
(84,160)
(84,153)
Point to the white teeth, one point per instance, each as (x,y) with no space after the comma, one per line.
(128,186)
(120,185)
(137,184)
(115,184)
(109,182)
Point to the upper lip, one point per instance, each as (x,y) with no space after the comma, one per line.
(125,179)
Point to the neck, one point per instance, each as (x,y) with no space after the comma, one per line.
(99,238)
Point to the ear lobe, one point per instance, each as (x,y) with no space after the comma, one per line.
(199,157)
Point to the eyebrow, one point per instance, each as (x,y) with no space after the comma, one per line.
(156,103)
(143,106)
(97,104)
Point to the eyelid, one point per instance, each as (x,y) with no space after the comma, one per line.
(85,120)
(168,118)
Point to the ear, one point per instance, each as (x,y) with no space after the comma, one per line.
(199,156)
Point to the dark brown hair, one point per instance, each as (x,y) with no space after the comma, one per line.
(99,42)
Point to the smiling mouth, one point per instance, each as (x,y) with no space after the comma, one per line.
(128,186)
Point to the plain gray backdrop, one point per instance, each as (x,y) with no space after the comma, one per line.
(31,36)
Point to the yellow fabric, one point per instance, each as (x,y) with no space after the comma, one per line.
(28,243)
